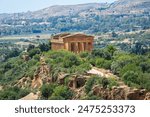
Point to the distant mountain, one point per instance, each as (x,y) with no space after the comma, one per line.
(121,15)
(117,7)
(130,6)
(64,10)
(57,10)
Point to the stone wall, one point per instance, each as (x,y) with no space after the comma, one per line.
(57,46)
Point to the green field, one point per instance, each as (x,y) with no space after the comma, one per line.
(30,36)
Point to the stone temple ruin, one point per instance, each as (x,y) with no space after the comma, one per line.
(72,42)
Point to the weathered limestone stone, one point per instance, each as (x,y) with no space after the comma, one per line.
(147,97)
(77,82)
(25,57)
(72,42)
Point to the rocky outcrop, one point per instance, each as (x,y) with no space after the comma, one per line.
(61,78)
(25,57)
(31,96)
(147,97)
(76,81)
(24,82)
(136,94)
(42,75)
(120,93)
(79,93)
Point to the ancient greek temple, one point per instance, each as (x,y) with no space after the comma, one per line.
(72,42)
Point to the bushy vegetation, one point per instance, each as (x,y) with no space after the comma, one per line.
(133,69)
(13,93)
(92,23)
(55,92)
(64,61)
(100,81)
(47,90)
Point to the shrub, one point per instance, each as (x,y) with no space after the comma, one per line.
(44,47)
(62,92)
(144,81)
(13,93)
(102,63)
(71,60)
(34,52)
(90,96)
(47,90)
(84,54)
(102,53)
(130,78)
(112,82)
(105,82)
(130,67)
(89,84)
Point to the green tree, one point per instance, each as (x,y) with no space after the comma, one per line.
(89,84)
(44,47)
(130,78)
(105,83)
(30,47)
(71,60)
(13,93)
(47,90)
(62,92)
(34,52)
(111,49)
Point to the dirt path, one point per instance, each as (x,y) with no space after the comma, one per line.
(102,72)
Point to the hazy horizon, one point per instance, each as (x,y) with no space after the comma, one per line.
(16,6)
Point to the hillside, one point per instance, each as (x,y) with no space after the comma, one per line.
(122,15)
(130,6)
(57,10)
(118,67)
(62,75)
(63,10)
(118,7)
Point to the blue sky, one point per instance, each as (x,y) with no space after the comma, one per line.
(11,6)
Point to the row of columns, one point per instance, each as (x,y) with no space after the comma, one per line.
(78,46)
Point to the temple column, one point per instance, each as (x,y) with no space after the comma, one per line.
(66,46)
(82,46)
(90,46)
(76,48)
(86,46)
(69,46)
(79,47)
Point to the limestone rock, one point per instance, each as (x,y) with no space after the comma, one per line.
(30,96)
(42,75)
(147,96)
(136,94)
(120,93)
(25,57)
(77,81)
(24,82)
